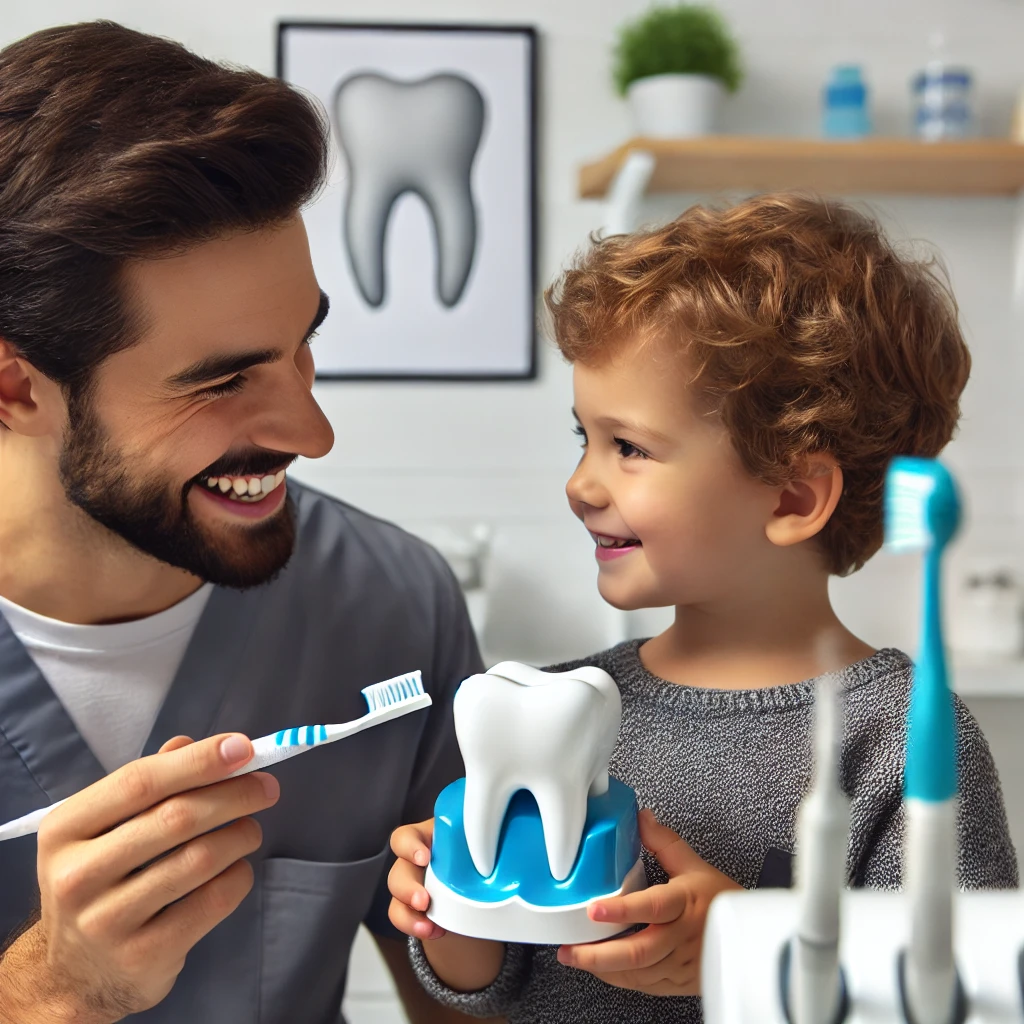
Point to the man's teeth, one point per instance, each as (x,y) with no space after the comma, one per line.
(245,488)
(419,137)
(550,733)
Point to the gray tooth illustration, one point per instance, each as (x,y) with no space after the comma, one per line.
(419,137)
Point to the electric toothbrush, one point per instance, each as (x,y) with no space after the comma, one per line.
(816,993)
(922,513)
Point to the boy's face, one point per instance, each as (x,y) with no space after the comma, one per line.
(218,387)
(676,518)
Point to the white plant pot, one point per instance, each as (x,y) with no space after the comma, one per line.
(675,106)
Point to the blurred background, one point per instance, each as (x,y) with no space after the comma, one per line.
(479,467)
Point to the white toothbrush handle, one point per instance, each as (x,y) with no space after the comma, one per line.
(929,968)
(268,751)
(823,835)
(27,824)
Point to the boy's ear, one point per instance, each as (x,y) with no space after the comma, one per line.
(30,403)
(806,504)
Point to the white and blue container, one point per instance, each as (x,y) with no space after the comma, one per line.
(845,98)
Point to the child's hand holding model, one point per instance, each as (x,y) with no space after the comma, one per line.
(742,379)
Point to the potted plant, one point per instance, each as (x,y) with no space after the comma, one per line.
(673,65)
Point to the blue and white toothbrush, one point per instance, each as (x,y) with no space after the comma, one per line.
(389,699)
(922,513)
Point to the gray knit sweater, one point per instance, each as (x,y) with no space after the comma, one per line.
(726,770)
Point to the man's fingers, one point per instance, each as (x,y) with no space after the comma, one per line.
(142,895)
(413,842)
(141,784)
(180,819)
(174,743)
(658,904)
(174,932)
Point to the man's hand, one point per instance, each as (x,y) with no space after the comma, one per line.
(664,958)
(133,871)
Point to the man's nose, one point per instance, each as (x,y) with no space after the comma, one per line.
(295,423)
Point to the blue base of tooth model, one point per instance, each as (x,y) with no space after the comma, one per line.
(610,847)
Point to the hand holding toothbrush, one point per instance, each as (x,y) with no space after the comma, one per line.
(664,958)
(113,859)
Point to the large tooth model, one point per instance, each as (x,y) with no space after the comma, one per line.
(537,830)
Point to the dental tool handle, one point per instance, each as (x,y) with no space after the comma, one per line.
(822,843)
(930,865)
(823,828)
(27,824)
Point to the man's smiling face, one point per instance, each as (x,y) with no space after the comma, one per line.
(180,443)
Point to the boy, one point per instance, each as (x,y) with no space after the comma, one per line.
(742,378)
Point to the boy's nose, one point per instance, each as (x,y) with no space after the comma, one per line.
(583,489)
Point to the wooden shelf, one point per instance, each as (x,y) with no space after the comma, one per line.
(990,167)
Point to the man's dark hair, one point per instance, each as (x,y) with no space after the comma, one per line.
(116,146)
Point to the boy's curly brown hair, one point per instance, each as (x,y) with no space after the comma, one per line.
(805,328)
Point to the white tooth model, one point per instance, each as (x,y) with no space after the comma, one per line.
(508,867)
(419,137)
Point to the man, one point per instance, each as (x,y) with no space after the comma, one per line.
(162,579)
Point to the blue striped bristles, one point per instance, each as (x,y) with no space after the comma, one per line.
(394,691)
(304,735)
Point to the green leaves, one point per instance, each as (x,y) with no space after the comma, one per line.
(682,39)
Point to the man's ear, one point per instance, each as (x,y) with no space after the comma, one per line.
(806,504)
(30,403)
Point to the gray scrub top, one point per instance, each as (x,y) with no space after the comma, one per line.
(360,601)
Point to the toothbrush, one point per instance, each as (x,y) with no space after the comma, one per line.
(389,699)
(922,513)
(823,828)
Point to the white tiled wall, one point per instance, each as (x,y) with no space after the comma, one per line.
(422,454)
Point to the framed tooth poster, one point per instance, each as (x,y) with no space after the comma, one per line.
(425,237)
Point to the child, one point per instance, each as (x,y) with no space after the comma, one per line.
(742,378)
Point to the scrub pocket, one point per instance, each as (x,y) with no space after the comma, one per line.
(310,913)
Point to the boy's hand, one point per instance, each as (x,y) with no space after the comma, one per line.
(462,963)
(411,845)
(663,959)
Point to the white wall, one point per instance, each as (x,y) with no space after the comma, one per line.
(422,454)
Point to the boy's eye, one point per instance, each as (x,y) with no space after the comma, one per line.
(229,387)
(628,450)
(580,433)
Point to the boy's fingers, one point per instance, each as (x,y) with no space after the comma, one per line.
(659,904)
(405,883)
(412,842)
(673,852)
(144,783)
(632,953)
(410,922)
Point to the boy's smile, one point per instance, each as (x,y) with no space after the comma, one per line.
(675,517)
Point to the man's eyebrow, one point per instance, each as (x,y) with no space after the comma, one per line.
(212,368)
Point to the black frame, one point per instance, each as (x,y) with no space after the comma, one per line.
(531,35)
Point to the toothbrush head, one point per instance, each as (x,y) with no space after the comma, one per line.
(922,505)
(394,691)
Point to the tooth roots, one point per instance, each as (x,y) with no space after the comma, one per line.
(549,733)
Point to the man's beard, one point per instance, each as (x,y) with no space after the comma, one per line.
(156,520)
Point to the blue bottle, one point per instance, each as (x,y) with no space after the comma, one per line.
(846,104)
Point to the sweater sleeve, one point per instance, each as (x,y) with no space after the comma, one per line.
(986,857)
(496,1000)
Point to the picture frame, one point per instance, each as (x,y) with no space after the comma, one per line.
(425,237)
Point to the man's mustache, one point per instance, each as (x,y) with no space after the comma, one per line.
(257,462)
